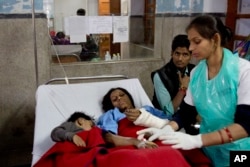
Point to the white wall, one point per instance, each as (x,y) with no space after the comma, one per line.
(92,7)
(124,7)
(64,8)
(215,6)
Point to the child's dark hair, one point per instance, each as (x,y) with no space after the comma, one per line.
(79,114)
(107,103)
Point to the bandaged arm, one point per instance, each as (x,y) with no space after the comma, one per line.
(148,120)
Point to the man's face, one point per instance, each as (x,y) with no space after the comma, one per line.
(181,57)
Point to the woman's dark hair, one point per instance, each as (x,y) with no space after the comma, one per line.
(107,103)
(81,12)
(180,41)
(208,25)
(77,115)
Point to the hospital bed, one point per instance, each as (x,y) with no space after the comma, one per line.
(56,102)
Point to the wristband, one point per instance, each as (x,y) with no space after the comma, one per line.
(183,90)
(230,137)
(221,137)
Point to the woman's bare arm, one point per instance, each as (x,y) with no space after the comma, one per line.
(117,140)
(235,132)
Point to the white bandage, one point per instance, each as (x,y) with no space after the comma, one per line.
(148,120)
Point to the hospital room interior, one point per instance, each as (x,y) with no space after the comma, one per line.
(132,39)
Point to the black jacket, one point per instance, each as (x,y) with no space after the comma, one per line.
(170,79)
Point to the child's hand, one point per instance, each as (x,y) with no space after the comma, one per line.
(78,141)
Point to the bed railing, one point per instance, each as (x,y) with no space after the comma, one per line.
(67,80)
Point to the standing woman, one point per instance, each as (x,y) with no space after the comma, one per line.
(219,91)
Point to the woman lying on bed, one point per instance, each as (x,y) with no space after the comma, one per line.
(118,104)
(123,118)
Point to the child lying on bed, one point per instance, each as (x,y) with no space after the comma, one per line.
(79,121)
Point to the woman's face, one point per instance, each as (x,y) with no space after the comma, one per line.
(120,100)
(200,47)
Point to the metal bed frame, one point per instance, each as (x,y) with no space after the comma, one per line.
(66,80)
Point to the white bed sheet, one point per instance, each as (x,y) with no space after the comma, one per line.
(55,103)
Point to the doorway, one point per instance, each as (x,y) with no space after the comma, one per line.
(108,8)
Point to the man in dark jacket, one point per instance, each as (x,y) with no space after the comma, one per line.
(171,80)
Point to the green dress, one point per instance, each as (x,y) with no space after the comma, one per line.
(216,102)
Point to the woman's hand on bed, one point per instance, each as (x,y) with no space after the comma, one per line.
(78,141)
(143,144)
(132,114)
